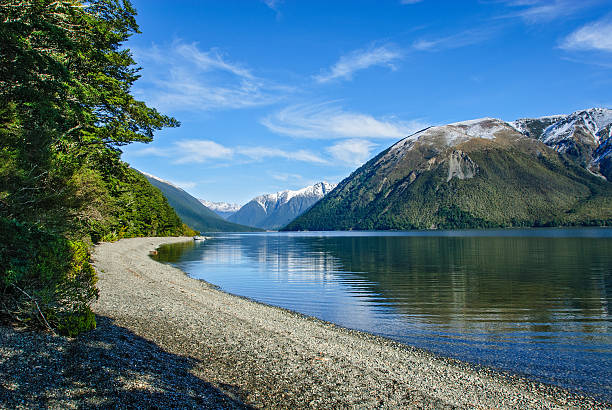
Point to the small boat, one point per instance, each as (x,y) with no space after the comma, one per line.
(199,238)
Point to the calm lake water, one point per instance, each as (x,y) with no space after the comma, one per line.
(532,301)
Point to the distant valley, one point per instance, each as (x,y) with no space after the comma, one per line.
(191,211)
(545,171)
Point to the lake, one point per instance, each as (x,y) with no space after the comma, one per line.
(530,301)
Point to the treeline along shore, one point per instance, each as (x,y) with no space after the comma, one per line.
(164,339)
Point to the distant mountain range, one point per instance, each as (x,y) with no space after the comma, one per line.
(273,211)
(223,209)
(481,173)
(191,211)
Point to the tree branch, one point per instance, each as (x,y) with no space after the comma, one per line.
(37,307)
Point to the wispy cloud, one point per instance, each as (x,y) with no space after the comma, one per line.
(353,152)
(537,11)
(210,60)
(182,76)
(462,39)
(203,151)
(593,36)
(362,59)
(410,1)
(261,153)
(273,4)
(282,176)
(189,151)
(329,121)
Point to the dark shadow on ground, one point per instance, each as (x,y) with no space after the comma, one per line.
(107,367)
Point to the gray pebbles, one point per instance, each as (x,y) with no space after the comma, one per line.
(166,340)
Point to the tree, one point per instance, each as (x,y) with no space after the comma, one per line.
(65,94)
(66,108)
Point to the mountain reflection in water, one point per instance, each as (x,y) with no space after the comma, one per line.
(535,302)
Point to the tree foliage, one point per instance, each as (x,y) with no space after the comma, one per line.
(46,280)
(65,87)
(66,108)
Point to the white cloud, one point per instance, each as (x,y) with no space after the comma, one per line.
(360,60)
(328,121)
(273,4)
(201,151)
(189,151)
(593,36)
(282,176)
(537,11)
(462,39)
(261,153)
(151,151)
(182,76)
(210,60)
(353,152)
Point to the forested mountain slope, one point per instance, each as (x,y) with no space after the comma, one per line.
(479,173)
(192,211)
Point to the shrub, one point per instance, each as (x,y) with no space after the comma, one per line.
(45,279)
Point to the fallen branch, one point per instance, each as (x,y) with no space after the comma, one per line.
(37,307)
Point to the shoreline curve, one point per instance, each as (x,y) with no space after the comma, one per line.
(275,357)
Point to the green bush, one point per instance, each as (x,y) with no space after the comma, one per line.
(45,279)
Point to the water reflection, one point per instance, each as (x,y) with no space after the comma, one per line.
(533,304)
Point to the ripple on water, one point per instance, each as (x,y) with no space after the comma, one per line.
(535,302)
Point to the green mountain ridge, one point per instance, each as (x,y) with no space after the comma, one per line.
(476,174)
(192,211)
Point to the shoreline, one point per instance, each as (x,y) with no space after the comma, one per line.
(387,356)
(243,353)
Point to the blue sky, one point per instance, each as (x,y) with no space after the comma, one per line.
(279,94)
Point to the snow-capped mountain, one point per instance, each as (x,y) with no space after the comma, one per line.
(272,211)
(222,209)
(480,173)
(583,135)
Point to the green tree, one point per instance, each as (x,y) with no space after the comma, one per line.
(65,84)
(66,109)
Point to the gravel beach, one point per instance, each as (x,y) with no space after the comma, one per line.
(166,340)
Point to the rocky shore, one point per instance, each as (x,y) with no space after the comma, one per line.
(166,340)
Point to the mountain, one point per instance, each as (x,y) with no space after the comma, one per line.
(191,211)
(480,173)
(583,136)
(223,209)
(273,211)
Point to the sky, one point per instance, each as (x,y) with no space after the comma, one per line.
(280,94)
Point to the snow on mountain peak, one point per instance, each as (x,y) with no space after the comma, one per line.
(160,180)
(592,119)
(220,206)
(270,201)
(272,211)
(482,127)
(455,133)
